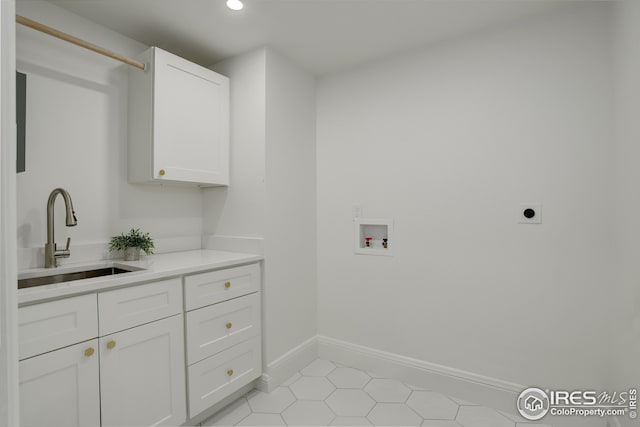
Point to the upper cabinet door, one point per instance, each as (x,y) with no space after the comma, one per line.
(179,122)
(191,121)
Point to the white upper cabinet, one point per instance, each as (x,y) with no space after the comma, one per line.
(178,122)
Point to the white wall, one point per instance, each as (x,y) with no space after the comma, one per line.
(290,236)
(9,411)
(239,209)
(448,141)
(625,298)
(76,138)
(271,196)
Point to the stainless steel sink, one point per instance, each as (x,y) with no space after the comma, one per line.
(68,276)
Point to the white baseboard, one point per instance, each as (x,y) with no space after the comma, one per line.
(465,385)
(469,386)
(480,389)
(287,365)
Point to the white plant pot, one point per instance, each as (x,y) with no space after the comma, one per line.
(132,254)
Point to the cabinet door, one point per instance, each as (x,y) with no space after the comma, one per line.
(142,375)
(190,122)
(61,388)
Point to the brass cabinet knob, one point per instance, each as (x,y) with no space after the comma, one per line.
(89,352)
(229,325)
(230,372)
(162,172)
(227,285)
(111,344)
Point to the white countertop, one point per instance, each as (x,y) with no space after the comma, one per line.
(155,267)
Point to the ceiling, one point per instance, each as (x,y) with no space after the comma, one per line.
(320,35)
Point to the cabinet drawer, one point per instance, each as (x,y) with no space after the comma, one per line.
(125,308)
(217,327)
(216,286)
(218,376)
(51,325)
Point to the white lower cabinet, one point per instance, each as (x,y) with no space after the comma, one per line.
(213,379)
(56,324)
(142,378)
(128,307)
(203,289)
(218,327)
(61,388)
(133,376)
(120,357)
(223,334)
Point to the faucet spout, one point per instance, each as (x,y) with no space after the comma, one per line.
(50,251)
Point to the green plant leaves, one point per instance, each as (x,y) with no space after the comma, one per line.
(134,239)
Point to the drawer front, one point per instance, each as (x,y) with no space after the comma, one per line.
(217,327)
(56,324)
(212,379)
(125,308)
(216,286)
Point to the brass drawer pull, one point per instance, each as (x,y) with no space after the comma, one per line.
(162,172)
(229,325)
(230,372)
(111,344)
(89,352)
(227,285)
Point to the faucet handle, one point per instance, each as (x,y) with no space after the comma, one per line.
(68,243)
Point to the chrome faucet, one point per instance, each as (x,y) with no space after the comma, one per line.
(51,253)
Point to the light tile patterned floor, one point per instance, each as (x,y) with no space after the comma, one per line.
(326,393)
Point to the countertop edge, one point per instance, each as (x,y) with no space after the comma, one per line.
(157,267)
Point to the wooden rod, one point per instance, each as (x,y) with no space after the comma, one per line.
(79,42)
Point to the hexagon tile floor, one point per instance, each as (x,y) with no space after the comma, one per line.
(330,394)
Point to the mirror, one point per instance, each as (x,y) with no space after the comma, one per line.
(21,116)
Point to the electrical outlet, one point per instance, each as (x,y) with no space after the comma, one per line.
(530,213)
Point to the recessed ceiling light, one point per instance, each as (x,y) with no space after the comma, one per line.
(234,4)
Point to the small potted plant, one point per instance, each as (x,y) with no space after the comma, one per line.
(132,243)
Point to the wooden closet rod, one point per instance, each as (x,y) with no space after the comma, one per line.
(82,43)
